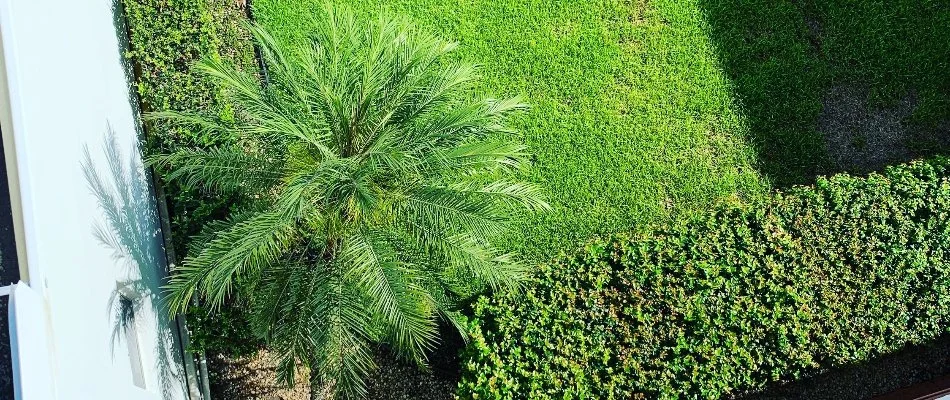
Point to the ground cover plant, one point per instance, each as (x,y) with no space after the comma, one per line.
(371,186)
(815,277)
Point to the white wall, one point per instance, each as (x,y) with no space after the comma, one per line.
(68,91)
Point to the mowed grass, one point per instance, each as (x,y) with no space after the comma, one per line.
(632,119)
(643,111)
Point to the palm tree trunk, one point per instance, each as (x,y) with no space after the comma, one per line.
(318,389)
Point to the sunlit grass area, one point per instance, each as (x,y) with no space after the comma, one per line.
(643,110)
(632,120)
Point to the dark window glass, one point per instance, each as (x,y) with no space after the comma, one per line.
(9,270)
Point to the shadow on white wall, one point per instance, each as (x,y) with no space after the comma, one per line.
(129,228)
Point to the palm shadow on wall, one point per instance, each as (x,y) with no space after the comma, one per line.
(130,230)
(833,86)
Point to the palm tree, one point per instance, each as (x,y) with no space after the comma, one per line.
(375,188)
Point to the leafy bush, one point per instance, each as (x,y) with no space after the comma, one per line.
(225,331)
(815,277)
(166,37)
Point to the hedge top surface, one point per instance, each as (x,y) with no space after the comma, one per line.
(813,278)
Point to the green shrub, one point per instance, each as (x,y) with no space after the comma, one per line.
(815,277)
(225,330)
(166,37)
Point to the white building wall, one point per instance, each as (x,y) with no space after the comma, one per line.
(91,229)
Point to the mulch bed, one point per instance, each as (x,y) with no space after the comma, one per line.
(254,377)
(910,366)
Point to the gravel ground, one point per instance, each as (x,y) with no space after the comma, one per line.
(9,271)
(398,380)
(251,378)
(254,378)
(6,362)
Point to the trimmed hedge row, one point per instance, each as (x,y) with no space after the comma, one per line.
(166,37)
(724,304)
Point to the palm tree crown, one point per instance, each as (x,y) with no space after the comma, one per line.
(373,189)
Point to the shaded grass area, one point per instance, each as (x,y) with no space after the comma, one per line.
(790,60)
(632,119)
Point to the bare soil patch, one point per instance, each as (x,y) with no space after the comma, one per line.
(861,137)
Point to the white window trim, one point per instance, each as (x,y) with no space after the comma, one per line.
(11,123)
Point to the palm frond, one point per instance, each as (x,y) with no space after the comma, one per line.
(223,169)
(345,358)
(290,311)
(395,290)
(463,263)
(444,208)
(250,245)
(465,123)
(447,307)
(371,190)
(206,125)
(503,192)
(473,260)
(267,117)
(435,90)
(481,156)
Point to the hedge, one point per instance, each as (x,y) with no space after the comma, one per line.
(727,303)
(166,38)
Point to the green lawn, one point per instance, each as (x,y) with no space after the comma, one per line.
(786,57)
(647,110)
(632,117)
(644,110)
